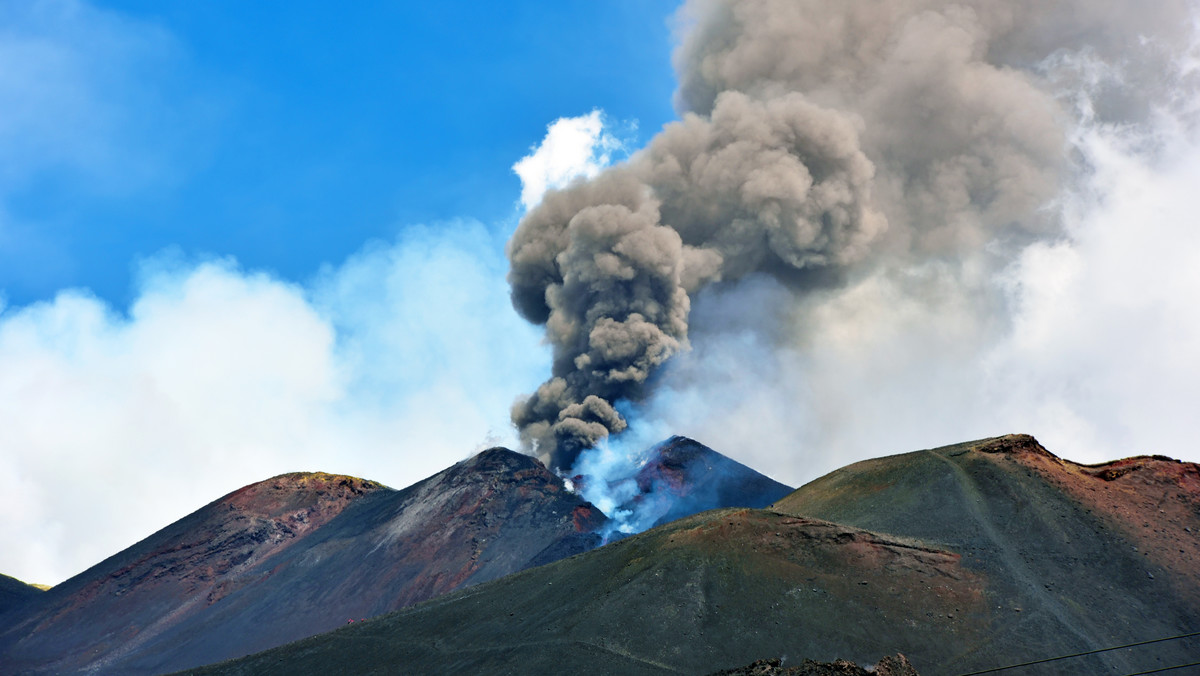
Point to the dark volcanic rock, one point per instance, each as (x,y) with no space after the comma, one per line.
(684,477)
(888,666)
(294,556)
(14,594)
(491,515)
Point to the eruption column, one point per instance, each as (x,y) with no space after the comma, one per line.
(819,141)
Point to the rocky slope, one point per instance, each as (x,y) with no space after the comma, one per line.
(683,477)
(294,556)
(1074,557)
(896,665)
(997,553)
(14,594)
(715,590)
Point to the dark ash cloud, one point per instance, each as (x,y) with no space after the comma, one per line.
(818,140)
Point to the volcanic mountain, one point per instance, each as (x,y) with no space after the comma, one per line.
(302,554)
(1075,557)
(294,556)
(999,553)
(682,477)
(14,593)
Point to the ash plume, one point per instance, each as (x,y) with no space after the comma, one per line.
(819,141)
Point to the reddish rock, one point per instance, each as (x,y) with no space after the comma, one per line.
(294,556)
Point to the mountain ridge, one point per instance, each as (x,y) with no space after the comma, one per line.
(682,476)
(990,560)
(15,593)
(620,618)
(303,553)
(296,555)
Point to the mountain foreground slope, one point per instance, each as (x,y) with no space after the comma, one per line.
(711,591)
(302,554)
(15,593)
(1001,553)
(1078,557)
(294,556)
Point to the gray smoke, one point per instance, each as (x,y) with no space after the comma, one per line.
(819,140)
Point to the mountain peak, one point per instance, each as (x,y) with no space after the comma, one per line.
(498,458)
(304,500)
(296,555)
(683,477)
(314,483)
(680,448)
(14,592)
(1013,444)
(967,556)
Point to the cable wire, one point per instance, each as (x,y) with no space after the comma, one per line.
(1089,652)
(1155,671)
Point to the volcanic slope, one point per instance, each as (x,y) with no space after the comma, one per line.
(682,477)
(1001,562)
(715,590)
(1075,557)
(294,556)
(14,594)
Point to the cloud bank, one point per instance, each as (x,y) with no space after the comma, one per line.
(392,365)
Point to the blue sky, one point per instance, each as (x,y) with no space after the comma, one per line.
(286,134)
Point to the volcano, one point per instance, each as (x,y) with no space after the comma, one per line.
(962,558)
(304,553)
(682,477)
(1075,557)
(294,556)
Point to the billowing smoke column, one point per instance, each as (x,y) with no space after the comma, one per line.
(608,265)
(819,139)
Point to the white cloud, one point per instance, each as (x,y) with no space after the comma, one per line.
(574,147)
(1107,323)
(392,366)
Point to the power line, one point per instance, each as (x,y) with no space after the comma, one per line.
(1089,652)
(1160,669)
